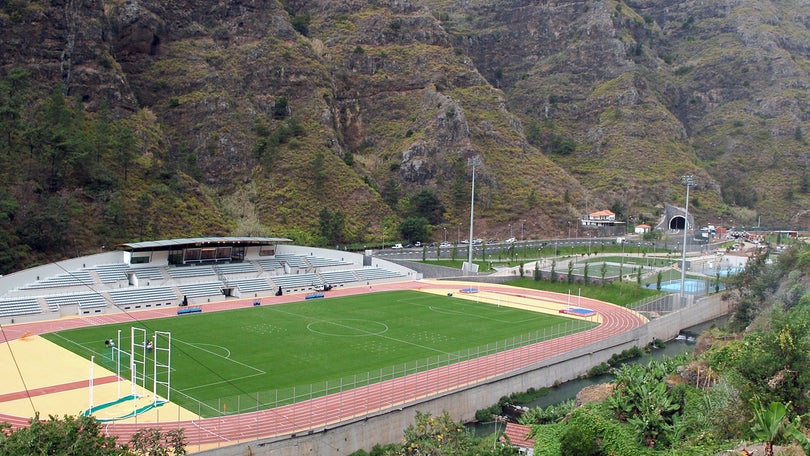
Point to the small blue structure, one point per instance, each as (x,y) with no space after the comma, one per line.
(188,310)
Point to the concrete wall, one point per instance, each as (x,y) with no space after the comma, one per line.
(365,432)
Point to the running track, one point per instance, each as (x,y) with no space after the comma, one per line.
(328,410)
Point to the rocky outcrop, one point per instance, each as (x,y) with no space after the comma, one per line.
(565,105)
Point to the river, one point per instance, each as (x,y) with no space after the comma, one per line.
(571,388)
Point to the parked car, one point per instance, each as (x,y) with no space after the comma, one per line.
(445,245)
(396,246)
(510,240)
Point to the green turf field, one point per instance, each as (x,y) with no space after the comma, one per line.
(264,354)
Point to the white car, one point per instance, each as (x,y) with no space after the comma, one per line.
(397,246)
(445,245)
(510,240)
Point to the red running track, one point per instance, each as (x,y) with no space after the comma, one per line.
(328,410)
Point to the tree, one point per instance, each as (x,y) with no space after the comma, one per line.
(426,204)
(390,193)
(436,435)
(553,276)
(571,271)
(67,436)
(603,272)
(414,228)
(332,224)
(84,436)
(154,442)
(585,274)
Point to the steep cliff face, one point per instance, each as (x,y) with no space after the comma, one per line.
(649,91)
(274,117)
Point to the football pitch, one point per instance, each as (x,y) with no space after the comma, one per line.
(266,356)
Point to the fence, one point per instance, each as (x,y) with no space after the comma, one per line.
(275,398)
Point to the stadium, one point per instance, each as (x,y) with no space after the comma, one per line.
(257,345)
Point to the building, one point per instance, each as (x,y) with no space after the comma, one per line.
(517,435)
(604,223)
(643,228)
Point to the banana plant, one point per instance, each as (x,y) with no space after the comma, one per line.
(769,423)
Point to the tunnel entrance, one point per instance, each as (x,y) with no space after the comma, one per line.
(677,223)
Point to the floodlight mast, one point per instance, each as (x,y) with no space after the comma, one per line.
(687,180)
(472,162)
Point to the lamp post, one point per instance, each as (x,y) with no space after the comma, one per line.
(458,233)
(522,227)
(445,234)
(510,231)
(687,180)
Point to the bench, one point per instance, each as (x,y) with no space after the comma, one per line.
(188,310)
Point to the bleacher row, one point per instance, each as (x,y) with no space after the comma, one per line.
(112,273)
(128,297)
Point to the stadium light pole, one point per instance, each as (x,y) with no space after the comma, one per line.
(472,162)
(687,180)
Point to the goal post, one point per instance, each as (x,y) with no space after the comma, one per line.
(137,358)
(162,358)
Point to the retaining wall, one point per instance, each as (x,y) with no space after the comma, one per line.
(365,432)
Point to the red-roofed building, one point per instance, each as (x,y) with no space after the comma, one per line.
(604,222)
(517,435)
(643,228)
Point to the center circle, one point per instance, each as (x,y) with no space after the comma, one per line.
(348,327)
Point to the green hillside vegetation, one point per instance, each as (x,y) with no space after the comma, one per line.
(320,121)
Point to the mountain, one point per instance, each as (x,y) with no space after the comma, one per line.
(333,121)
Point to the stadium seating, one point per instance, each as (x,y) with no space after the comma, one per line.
(81,277)
(236,268)
(196,290)
(109,273)
(343,276)
(149,272)
(319,262)
(140,295)
(296,281)
(19,306)
(295,261)
(259,284)
(377,273)
(84,300)
(270,264)
(190,271)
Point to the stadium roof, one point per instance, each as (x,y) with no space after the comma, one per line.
(167,244)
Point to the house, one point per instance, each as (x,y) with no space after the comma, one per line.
(643,228)
(602,223)
(517,435)
(604,217)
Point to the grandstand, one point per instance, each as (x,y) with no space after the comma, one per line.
(195,271)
